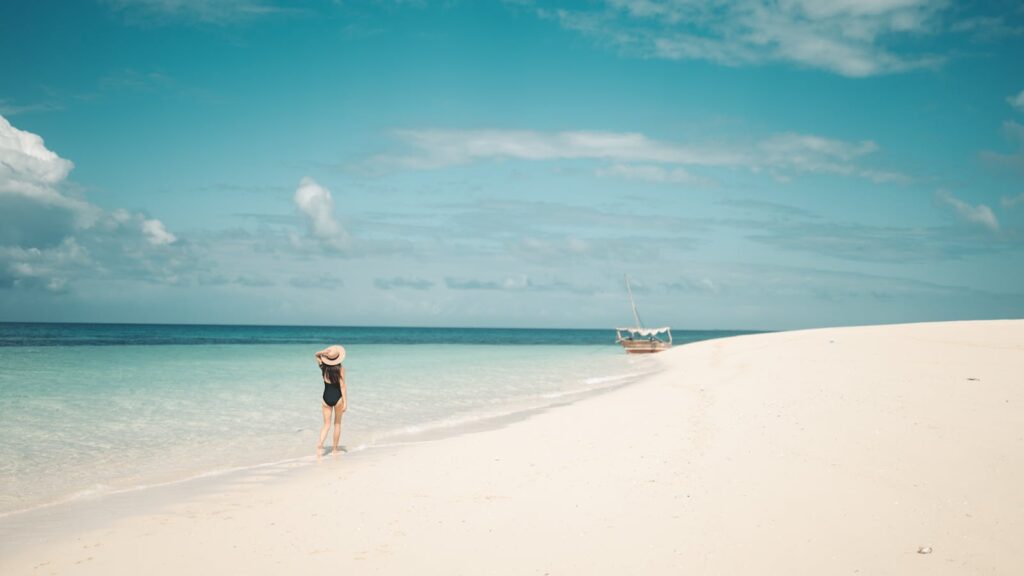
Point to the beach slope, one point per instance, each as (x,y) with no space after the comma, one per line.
(871,450)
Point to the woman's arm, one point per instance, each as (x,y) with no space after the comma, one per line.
(344,391)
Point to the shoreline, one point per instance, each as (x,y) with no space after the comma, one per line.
(195,437)
(819,451)
(208,481)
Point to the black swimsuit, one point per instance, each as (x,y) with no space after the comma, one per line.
(332,393)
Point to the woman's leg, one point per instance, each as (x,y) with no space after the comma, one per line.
(337,426)
(327,424)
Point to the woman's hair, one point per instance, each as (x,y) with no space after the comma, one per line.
(332,373)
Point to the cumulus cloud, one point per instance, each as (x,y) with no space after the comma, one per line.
(850,38)
(980,215)
(153,231)
(317,206)
(634,155)
(1017,101)
(30,174)
(26,164)
(47,236)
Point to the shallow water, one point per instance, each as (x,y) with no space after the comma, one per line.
(82,414)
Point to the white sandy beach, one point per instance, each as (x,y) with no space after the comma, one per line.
(833,451)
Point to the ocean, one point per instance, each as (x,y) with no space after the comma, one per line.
(93,409)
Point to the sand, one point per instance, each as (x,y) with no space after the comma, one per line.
(833,451)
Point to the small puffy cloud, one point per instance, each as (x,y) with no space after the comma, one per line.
(981,214)
(317,206)
(156,233)
(151,230)
(1017,101)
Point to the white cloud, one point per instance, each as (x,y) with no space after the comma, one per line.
(437,148)
(1010,202)
(1014,160)
(848,37)
(156,233)
(1017,101)
(981,214)
(133,223)
(211,11)
(808,153)
(47,235)
(515,283)
(401,282)
(30,170)
(634,155)
(1014,131)
(988,28)
(316,204)
(650,173)
(8,108)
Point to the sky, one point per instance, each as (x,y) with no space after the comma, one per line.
(749,164)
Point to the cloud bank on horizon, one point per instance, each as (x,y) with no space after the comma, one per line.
(752,165)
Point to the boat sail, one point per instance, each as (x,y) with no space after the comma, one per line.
(639,340)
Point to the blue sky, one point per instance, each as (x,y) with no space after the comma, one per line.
(750,164)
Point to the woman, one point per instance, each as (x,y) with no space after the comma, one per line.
(329,359)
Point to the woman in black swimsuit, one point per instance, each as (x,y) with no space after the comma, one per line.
(335,394)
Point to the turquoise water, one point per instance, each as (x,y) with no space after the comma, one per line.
(92,409)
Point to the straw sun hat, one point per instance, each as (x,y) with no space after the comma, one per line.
(332,355)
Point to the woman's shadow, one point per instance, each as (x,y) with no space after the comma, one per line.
(327,451)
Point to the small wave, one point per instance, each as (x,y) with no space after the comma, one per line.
(101,490)
(514,408)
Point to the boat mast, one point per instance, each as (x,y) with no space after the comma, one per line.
(632,303)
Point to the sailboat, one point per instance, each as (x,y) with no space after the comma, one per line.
(639,340)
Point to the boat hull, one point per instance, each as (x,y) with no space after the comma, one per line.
(644,346)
